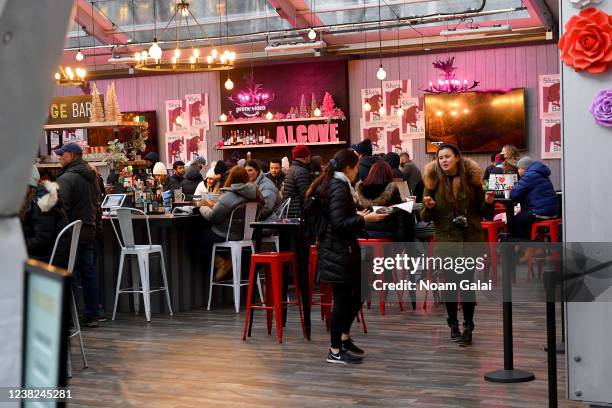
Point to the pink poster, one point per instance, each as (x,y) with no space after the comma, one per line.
(394,91)
(551,139)
(377,135)
(175,116)
(412,119)
(550,96)
(195,143)
(196,108)
(373,96)
(393,131)
(175,143)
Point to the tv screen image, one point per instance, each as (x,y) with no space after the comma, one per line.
(477,122)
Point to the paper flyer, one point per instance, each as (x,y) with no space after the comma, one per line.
(195,143)
(377,135)
(550,96)
(196,109)
(175,143)
(394,92)
(413,122)
(174,109)
(374,97)
(392,130)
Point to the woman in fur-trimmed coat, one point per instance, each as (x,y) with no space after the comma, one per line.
(455,201)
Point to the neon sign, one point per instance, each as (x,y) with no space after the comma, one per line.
(253,99)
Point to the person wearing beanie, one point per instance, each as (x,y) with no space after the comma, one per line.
(193,178)
(161,177)
(366,160)
(536,194)
(297,180)
(210,184)
(393,160)
(221,170)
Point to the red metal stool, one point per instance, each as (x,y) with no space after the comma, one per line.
(490,230)
(325,293)
(376,244)
(274,290)
(551,231)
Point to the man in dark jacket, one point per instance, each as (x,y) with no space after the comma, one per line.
(193,177)
(79,194)
(536,194)
(366,160)
(394,161)
(412,172)
(297,180)
(179,173)
(276,173)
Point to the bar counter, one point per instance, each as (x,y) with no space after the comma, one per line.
(187,273)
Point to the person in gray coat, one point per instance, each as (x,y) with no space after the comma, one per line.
(269,192)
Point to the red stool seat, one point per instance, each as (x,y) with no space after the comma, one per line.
(274,290)
(376,244)
(551,228)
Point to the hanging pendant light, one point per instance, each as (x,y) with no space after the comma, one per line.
(178,120)
(367,107)
(79,56)
(155,51)
(229,84)
(381,74)
(382,111)
(312,34)
(399,111)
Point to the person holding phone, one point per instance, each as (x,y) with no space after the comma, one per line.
(456,203)
(339,254)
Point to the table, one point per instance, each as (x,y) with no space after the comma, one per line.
(185,268)
(290,238)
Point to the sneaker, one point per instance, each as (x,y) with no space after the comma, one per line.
(342,358)
(91,322)
(455,332)
(348,345)
(466,337)
(102,319)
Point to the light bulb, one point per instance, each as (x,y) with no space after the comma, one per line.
(382,111)
(155,51)
(173,60)
(209,59)
(179,120)
(79,56)
(223,57)
(137,56)
(192,60)
(214,53)
(312,34)
(177,53)
(184,12)
(143,56)
(71,75)
(223,117)
(381,74)
(399,112)
(68,70)
(57,76)
(367,107)
(232,56)
(269,115)
(196,53)
(317,112)
(229,85)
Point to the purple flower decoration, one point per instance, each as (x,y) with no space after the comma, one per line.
(602,108)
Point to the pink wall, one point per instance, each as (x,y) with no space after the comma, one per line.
(151,93)
(511,67)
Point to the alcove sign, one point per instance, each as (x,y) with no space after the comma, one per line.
(313,133)
(70,109)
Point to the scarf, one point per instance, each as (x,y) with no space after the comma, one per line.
(341,176)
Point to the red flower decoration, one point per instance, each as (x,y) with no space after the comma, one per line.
(587,41)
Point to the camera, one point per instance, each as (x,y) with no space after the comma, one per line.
(460,222)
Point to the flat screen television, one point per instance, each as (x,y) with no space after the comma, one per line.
(477,122)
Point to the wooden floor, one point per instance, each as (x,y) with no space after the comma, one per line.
(198,359)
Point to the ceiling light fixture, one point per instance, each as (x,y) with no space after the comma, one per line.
(381,74)
(153,61)
(500,28)
(67,76)
(366,106)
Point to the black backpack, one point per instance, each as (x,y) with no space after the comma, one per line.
(315,217)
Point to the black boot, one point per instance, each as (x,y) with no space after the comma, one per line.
(466,338)
(455,332)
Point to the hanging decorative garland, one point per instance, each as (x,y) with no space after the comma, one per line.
(601,109)
(586,44)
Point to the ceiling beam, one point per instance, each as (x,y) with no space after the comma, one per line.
(98,25)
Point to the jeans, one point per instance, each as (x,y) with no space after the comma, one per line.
(522,225)
(347,303)
(468,298)
(207,239)
(85,270)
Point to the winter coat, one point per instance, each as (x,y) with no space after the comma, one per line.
(44,219)
(278,181)
(192,178)
(365,163)
(535,191)
(176,180)
(171,184)
(297,182)
(339,255)
(219,214)
(443,213)
(399,224)
(270,194)
(78,192)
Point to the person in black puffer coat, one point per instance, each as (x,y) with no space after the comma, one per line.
(366,160)
(378,189)
(339,255)
(394,161)
(193,177)
(297,180)
(42,218)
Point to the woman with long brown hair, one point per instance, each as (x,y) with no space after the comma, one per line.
(455,201)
